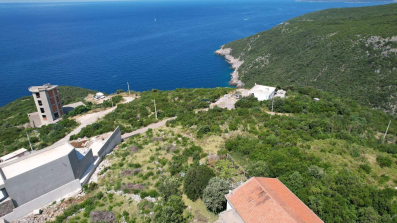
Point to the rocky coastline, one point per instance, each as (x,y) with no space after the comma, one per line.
(235,62)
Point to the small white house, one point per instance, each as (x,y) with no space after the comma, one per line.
(262,92)
(99,95)
(280,94)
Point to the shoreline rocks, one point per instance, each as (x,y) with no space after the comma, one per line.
(235,62)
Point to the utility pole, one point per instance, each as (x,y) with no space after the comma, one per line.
(384,137)
(155,109)
(272,104)
(129,92)
(31,148)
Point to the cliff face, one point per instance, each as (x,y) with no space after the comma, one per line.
(350,52)
(235,62)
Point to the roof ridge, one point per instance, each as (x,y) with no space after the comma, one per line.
(260,185)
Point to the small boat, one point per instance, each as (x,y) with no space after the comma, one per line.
(155,19)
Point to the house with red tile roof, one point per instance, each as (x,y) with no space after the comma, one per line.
(265,200)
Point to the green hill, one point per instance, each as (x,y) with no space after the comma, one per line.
(350,52)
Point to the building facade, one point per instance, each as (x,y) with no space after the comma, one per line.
(48,103)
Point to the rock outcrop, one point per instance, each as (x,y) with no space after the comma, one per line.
(235,62)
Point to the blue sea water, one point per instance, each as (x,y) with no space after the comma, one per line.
(103,45)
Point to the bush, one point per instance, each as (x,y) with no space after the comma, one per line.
(168,187)
(366,168)
(196,180)
(384,161)
(214,194)
(316,172)
(170,211)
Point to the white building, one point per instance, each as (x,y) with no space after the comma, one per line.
(262,93)
(280,94)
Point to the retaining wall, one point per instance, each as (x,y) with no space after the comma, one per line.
(110,143)
(40,202)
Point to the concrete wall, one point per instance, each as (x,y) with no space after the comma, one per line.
(79,167)
(40,202)
(39,181)
(111,142)
(34,120)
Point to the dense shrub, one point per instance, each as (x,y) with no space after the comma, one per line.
(196,180)
(169,186)
(214,194)
(170,210)
(384,161)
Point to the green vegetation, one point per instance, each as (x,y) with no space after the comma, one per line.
(141,112)
(214,194)
(196,180)
(329,153)
(349,52)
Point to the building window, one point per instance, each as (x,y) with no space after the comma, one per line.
(56,115)
(40,103)
(37,95)
(44,117)
(42,110)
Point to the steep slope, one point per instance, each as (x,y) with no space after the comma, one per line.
(351,52)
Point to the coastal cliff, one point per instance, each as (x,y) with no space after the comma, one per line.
(235,62)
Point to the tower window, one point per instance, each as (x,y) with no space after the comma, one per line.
(40,103)
(42,110)
(37,95)
(44,117)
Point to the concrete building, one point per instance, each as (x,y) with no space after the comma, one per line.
(42,177)
(28,180)
(265,200)
(262,92)
(13,155)
(49,106)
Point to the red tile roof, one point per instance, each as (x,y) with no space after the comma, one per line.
(266,200)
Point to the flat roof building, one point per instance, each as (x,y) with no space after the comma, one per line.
(49,106)
(32,176)
(262,92)
(266,200)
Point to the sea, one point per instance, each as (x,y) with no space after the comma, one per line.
(149,44)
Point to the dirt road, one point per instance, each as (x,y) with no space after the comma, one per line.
(143,130)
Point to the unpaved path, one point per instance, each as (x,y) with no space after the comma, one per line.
(85,120)
(143,130)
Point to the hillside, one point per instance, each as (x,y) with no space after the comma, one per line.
(350,52)
(329,153)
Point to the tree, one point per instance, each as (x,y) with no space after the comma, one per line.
(196,180)
(258,169)
(296,181)
(214,194)
(316,171)
(367,215)
(170,211)
(168,187)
